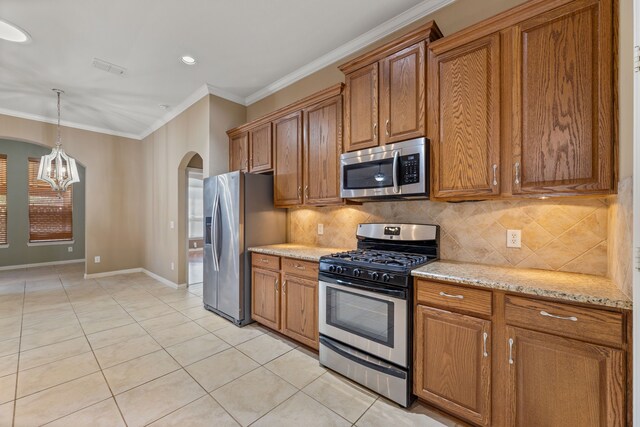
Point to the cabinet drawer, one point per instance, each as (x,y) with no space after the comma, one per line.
(299,268)
(454,297)
(270,262)
(587,324)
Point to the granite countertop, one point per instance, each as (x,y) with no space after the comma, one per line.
(292,250)
(575,287)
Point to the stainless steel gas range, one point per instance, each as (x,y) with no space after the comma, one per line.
(365,307)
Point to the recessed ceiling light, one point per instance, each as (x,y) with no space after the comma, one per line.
(189,60)
(13,33)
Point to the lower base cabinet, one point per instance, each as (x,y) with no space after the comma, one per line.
(286,300)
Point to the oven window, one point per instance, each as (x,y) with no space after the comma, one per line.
(361,315)
(376,174)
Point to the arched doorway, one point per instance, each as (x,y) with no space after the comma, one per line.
(192,244)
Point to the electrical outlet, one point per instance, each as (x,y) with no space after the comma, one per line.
(173,266)
(70,249)
(96,259)
(514,238)
(172,225)
(320,229)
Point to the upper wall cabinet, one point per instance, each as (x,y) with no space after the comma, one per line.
(385,92)
(287,181)
(562,109)
(260,149)
(239,152)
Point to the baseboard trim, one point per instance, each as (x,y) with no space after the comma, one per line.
(40,264)
(160,279)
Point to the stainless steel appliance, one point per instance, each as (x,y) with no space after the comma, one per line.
(395,171)
(365,306)
(239,213)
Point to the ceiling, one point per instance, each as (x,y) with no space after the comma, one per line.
(246,49)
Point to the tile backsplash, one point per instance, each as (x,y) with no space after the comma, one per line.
(563,235)
(620,236)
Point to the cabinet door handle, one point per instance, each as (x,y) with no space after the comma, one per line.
(572,318)
(510,351)
(375,130)
(275,285)
(299,192)
(495,177)
(444,294)
(284,287)
(387,128)
(484,344)
(299,267)
(517,180)
(306,191)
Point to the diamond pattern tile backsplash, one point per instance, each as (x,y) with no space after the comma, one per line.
(563,235)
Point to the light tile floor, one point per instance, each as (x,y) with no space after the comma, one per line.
(129,351)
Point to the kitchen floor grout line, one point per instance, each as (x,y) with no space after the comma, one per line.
(15,391)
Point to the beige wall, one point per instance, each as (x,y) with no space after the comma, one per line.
(199,129)
(115,189)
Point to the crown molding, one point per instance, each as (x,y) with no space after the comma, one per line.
(44,119)
(226,95)
(386,28)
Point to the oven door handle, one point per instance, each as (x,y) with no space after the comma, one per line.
(396,164)
(398,293)
(352,355)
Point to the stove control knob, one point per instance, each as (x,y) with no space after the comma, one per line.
(375,276)
(339,270)
(357,272)
(386,277)
(332,268)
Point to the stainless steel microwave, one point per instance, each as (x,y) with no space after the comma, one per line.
(398,170)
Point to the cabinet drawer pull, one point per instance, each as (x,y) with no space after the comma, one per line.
(387,127)
(572,318)
(484,343)
(264,261)
(284,287)
(299,267)
(517,180)
(510,351)
(495,178)
(444,294)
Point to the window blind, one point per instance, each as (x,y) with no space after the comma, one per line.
(50,216)
(3,199)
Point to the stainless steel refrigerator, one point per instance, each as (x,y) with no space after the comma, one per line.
(239,213)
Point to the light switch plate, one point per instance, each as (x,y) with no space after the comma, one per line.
(70,249)
(514,238)
(320,229)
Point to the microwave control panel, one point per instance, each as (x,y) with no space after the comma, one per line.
(409,169)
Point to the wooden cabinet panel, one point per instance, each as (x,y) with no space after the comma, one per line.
(239,152)
(464,118)
(322,149)
(265,297)
(260,155)
(402,95)
(562,101)
(307,269)
(361,109)
(287,137)
(556,381)
(453,363)
(588,324)
(269,262)
(300,309)
(452,297)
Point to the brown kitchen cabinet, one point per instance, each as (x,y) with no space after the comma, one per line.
(555,381)
(260,149)
(322,149)
(284,296)
(287,181)
(464,118)
(239,152)
(545,362)
(385,92)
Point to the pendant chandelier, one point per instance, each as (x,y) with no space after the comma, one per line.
(57,168)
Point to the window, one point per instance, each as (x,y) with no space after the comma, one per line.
(50,215)
(3,199)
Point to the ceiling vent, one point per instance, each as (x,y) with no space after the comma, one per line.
(108,67)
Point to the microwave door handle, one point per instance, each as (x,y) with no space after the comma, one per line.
(396,164)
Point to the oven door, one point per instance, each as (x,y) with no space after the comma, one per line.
(373,320)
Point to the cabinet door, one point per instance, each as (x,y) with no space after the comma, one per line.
(287,136)
(322,149)
(260,156)
(453,363)
(557,381)
(402,95)
(300,309)
(239,153)
(464,118)
(562,101)
(361,109)
(265,297)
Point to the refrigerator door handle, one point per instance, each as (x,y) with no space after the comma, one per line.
(214,232)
